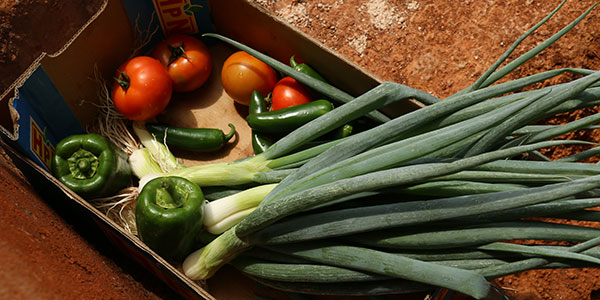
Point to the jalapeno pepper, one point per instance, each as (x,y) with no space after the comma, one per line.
(287,119)
(90,165)
(257,105)
(169,212)
(195,139)
(306,69)
(343,131)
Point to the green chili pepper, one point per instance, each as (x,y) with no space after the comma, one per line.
(343,131)
(258,105)
(306,69)
(169,212)
(195,139)
(287,119)
(90,165)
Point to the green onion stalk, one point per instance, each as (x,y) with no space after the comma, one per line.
(203,263)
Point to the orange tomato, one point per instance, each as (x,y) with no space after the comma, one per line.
(242,74)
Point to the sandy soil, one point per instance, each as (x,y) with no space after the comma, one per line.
(437,46)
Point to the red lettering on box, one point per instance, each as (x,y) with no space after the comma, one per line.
(176,16)
(174,13)
(39,145)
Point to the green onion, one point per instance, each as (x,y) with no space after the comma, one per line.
(368,288)
(581,155)
(489,72)
(391,154)
(475,235)
(511,268)
(536,251)
(266,214)
(142,164)
(205,262)
(379,262)
(158,151)
(452,188)
(566,169)
(524,178)
(525,57)
(222,214)
(532,113)
(369,218)
(300,272)
(565,209)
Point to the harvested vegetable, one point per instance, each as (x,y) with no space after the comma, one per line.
(243,74)
(306,69)
(257,105)
(172,214)
(157,151)
(186,59)
(90,165)
(195,139)
(225,212)
(169,216)
(286,119)
(142,88)
(289,92)
(142,163)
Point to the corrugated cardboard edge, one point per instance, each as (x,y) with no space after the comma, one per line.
(12,92)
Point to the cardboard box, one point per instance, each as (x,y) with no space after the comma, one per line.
(58,97)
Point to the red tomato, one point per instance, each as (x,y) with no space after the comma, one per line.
(243,73)
(187,61)
(289,92)
(142,88)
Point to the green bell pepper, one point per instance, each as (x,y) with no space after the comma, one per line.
(169,216)
(90,165)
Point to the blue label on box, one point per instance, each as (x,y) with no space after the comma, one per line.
(44,118)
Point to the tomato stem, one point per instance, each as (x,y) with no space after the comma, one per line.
(123,80)
(176,52)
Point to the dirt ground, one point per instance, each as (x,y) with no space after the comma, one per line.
(438,46)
